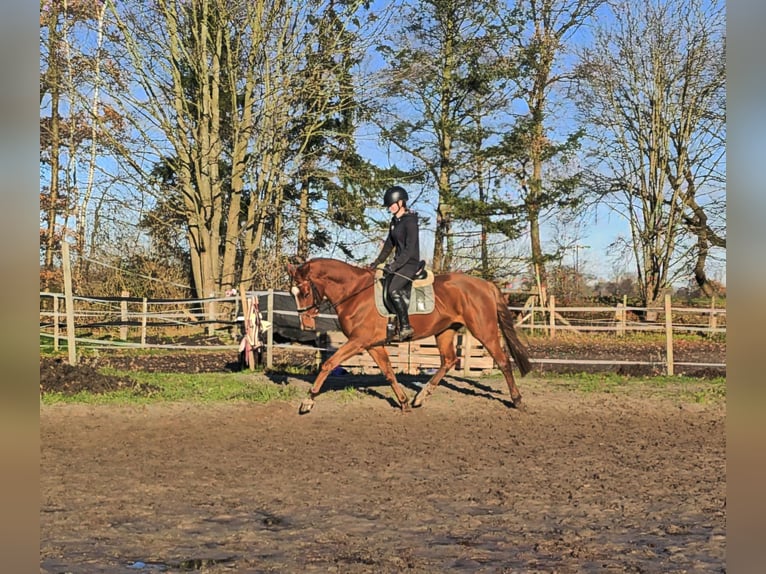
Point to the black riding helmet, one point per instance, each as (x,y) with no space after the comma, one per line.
(394,194)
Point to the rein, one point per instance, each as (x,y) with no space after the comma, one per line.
(318,299)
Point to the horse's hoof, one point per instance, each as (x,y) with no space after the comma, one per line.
(306,406)
(422,395)
(518,405)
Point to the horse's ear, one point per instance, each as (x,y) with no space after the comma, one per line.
(294,262)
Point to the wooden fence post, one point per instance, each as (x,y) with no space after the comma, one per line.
(669,333)
(70,326)
(270,332)
(713,318)
(552,306)
(144,312)
(466,352)
(624,314)
(55,322)
(212,312)
(618,319)
(124,316)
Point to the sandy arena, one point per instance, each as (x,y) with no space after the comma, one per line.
(574,482)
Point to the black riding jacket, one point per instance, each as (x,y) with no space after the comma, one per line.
(403,236)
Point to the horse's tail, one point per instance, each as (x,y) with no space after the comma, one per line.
(515,346)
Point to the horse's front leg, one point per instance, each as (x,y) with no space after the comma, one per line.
(380,355)
(349,349)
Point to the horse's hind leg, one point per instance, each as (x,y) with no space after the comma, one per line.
(495,349)
(445,341)
(489,336)
(380,355)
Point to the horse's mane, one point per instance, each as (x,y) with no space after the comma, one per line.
(336,271)
(329,266)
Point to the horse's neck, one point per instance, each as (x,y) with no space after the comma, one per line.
(340,281)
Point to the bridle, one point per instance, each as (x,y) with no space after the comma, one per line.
(317,298)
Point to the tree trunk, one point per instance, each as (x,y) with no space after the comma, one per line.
(55,138)
(533,199)
(538,264)
(303,217)
(699,227)
(440,236)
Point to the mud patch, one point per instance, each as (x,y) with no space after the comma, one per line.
(57,375)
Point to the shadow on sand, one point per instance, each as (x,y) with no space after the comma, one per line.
(377,386)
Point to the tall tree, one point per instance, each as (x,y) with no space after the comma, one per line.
(541,32)
(331,172)
(655,98)
(74,121)
(50,84)
(226,85)
(438,90)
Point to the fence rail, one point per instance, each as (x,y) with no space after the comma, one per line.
(104,322)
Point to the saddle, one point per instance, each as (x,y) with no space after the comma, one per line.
(421,300)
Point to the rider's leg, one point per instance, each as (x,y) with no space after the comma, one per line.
(400,304)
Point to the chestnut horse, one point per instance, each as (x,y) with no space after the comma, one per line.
(460,299)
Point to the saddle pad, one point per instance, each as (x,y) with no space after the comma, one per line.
(421,298)
(425,281)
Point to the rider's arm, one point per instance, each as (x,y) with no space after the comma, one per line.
(384,253)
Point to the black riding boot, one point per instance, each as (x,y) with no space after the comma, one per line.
(400,305)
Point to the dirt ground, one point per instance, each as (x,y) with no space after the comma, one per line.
(573,482)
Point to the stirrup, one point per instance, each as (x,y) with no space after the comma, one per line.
(405,334)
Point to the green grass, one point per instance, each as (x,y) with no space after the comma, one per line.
(349,394)
(198,387)
(256,387)
(46,347)
(684,388)
(297,369)
(714,392)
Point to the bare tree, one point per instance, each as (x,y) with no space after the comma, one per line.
(223,84)
(73,123)
(50,85)
(540,31)
(655,98)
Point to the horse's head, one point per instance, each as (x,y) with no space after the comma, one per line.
(307,296)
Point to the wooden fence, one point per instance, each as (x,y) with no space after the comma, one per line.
(126,321)
(621,318)
(415,357)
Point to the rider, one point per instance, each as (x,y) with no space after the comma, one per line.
(403,236)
